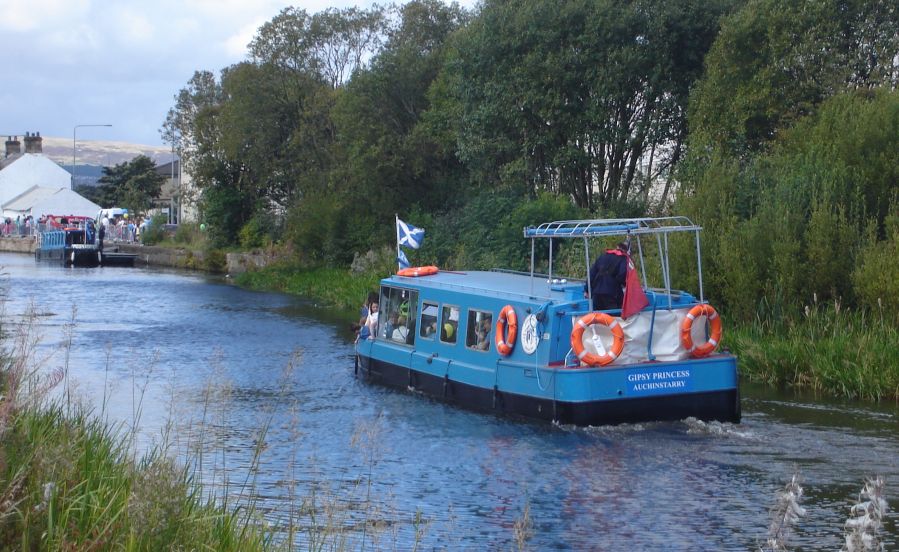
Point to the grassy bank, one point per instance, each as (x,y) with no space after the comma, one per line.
(68,483)
(844,353)
(332,287)
(832,350)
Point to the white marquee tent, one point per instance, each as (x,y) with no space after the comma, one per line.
(39,201)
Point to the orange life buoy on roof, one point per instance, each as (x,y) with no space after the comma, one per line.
(507,321)
(686,335)
(577,338)
(416,271)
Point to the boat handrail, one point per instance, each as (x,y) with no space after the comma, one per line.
(611,227)
(571,280)
(468,288)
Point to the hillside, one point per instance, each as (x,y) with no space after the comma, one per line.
(101,152)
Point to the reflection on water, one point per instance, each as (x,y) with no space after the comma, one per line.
(259,389)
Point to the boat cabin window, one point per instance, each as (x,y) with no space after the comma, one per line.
(449,324)
(428,320)
(397,315)
(478,335)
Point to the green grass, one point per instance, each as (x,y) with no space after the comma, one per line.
(845,353)
(68,484)
(333,287)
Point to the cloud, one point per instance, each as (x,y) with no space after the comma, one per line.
(68,62)
(133,27)
(18,16)
(236,44)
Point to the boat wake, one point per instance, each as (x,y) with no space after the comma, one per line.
(699,427)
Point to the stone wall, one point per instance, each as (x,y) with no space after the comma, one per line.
(150,255)
(18,244)
(209,261)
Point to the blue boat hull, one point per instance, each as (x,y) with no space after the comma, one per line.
(716,405)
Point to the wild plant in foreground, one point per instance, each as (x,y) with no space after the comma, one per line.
(784,514)
(863,528)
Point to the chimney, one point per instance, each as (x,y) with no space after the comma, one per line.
(13,146)
(33,143)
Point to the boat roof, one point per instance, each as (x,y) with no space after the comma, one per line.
(611,227)
(496,283)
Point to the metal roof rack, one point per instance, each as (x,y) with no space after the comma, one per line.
(611,227)
(661,227)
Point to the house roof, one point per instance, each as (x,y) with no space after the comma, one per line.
(166,169)
(29,197)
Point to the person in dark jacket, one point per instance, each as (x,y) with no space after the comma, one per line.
(607,277)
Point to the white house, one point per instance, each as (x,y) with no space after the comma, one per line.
(32,184)
(28,170)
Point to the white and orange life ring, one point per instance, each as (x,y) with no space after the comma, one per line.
(577,339)
(686,330)
(416,271)
(507,321)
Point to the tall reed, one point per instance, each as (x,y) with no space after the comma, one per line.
(852,354)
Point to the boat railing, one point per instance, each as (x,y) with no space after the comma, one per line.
(497,293)
(610,227)
(537,275)
(656,229)
(52,239)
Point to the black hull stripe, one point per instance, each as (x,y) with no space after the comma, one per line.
(723,406)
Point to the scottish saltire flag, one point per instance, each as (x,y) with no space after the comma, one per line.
(402,260)
(408,235)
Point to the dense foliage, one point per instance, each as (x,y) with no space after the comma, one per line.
(793,153)
(771,123)
(133,185)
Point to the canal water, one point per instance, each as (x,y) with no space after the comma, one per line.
(257,389)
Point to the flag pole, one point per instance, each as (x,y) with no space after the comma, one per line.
(396,227)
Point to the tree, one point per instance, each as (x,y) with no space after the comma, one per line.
(776,60)
(584,98)
(331,44)
(390,159)
(133,185)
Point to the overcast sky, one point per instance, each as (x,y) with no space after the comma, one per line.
(119,62)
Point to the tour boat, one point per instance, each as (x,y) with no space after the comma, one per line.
(73,241)
(530,345)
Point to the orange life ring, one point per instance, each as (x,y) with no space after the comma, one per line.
(415,271)
(686,335)
(507,320)
(577,338)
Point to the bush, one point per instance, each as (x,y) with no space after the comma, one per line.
(874,277)
(188,233)
(155,231)
(255,233)
(215,260)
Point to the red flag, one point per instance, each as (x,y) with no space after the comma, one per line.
(634,298)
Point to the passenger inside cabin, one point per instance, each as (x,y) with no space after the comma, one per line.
(401,333)
(483,332)
(449,330)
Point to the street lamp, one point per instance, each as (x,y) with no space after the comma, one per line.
(74,131)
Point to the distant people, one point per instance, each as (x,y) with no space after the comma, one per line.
(101,233)
(607,277)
